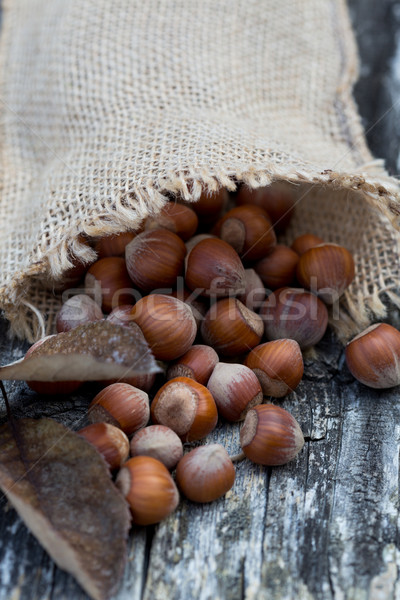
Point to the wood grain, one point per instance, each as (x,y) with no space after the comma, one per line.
(324,527)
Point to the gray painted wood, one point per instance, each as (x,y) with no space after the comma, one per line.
(324,527)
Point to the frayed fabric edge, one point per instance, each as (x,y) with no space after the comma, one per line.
(381,192)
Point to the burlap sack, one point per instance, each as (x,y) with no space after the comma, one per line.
(108,105)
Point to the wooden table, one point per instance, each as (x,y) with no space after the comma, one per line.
(325,526)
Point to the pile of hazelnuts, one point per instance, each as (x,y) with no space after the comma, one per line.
(228,312)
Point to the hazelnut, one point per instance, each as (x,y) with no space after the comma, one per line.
(210,205)
(278,268)
(197,363)
(254,290)
(205,473)
(121,405)
(167,324)
(373,356)
(296,314)
(149,489)
(109,279)
(77,310)
(110,441)
(213,268)
(113,245)
(235,389)
(278,366)
(270,435)
(178,218)
(186,407)
(278,202)
(231,328)
(304,242)
(160,442)
(248,230)
(155,259)
(326,270)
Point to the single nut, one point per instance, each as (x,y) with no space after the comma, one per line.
(178,218)
(77,310)
(113,245)
(167,324)
(197,363)
(278,268)
(248,229)
(278,202)
(235,389)
(122,405)
(149,489)
(295,314)
(155,259)
(160,442)
(205,473)
(210,205)
(326,270)
(110,441)
(213,268)
(270,436)
(50,387)
(231,328)
(278,366)
(306,241)
(254,290)
(108,279)
(373,356)
(186,407)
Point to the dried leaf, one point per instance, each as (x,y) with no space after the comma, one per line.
(61,487)
(91,352)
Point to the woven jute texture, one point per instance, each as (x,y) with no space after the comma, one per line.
(107,107)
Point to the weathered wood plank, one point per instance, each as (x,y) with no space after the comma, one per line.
(323,527)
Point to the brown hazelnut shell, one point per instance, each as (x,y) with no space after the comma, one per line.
(278,366)
(231,328)
(160,442)
(270,435)
(155,259)
(373,356)
(304,242)
(121,405)
(235,389)
(110,277)
(149,489)
(295,314)
(248,229)
(213,268)
(197,363)
(278,268)
(326,270)
(206,473)
(178,218)
(187,407)
(167,324)
(110,441)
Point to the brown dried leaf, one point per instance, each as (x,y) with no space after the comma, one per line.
(91,352)
(61,487)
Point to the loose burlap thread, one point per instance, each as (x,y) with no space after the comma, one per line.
(109,107)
